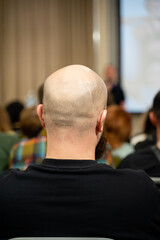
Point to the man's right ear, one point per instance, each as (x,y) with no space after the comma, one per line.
(40,114)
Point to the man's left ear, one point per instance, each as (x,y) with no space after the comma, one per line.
(40,114)
(100,121)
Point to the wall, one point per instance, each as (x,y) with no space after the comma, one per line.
(106,34)
(38,37)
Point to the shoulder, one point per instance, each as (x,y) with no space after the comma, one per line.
(12,178)
(117,88)
(5,174)
(8,139)
(25,142)
(140,153)
(126,176)
(124,150)
(128,181)
(136,157)
(136,183)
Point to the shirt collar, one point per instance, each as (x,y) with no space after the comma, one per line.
(68,163)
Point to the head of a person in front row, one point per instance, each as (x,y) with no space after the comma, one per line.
(73,112)
(29,122)
(110,76)
(155,116)
(118,126)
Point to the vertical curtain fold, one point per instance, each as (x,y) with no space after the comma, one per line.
(38,37)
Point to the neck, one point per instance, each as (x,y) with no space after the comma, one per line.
(68,146)
(114,143)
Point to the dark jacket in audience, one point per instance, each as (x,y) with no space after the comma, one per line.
(144,159)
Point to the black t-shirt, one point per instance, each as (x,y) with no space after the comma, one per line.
(144,159)
(78,198)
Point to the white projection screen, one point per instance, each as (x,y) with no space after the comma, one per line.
(140,52)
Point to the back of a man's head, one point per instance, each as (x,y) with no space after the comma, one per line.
(73,98)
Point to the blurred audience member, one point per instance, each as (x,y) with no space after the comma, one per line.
(102,153)
(118,130)
(40,93)
(150,134)
(14,109)
(115,92)
(5,124)
(40,99)
(101,148)
(148,158)
(32,148)
(7,139)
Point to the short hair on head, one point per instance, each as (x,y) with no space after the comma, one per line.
(29,122)
(14,109)
(72,95)
(149,127)
(118,123)
(5,124)
(40,93)
(156,106)
(101,147)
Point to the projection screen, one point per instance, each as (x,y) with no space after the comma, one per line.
(140,52)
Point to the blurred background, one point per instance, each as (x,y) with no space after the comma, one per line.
(37,37)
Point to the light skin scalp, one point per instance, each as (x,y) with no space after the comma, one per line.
(73,112)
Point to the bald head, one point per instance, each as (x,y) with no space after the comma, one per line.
(73,96)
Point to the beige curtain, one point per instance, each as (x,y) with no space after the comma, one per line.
(38,37)
(106,36)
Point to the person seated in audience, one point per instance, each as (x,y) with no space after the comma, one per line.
(69,194)
(14,109)
(115,92)
(32,147)
(149,133)
(40,99)
(7,139)
(118,130)
(148,158)
(100,152)
(5,123)
(103,153)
